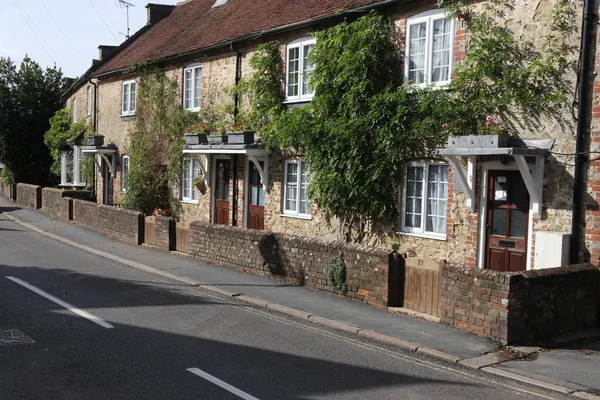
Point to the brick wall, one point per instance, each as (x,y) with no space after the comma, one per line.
(120,223)
(299,259)
(164,233)
(520,307)
(51,199)
(29,195)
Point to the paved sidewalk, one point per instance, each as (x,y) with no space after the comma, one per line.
(568,371)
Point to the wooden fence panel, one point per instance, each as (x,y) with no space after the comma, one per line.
(182,237)
(423,278)
(150,231)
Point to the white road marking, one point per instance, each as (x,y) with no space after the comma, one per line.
(64,304)
(222,384)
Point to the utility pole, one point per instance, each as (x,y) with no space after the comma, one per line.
(126,4)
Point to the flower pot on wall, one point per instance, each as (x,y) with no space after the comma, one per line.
(214,139)
(96,140)
(245,137)
(195,138)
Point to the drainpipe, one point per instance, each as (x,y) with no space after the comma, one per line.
(236,105)
(582,119)
(94,128)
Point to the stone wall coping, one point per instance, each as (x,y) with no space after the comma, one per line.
(107,207)
(55,190)
(286,237)
(506,277)
(27,185)
(569,269)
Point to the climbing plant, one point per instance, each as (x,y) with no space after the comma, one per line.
(336,274)
(364,124)
(156,141)
(60,132)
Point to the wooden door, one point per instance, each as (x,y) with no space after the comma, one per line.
(222,175)
(107,183)
(256,198)
(507,222)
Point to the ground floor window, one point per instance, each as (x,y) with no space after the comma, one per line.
(296,180)
(72,171)
(424,198)
(191,169)
(125,172)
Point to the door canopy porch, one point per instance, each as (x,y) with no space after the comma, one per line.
(506,148)
(252,151)
(104,152)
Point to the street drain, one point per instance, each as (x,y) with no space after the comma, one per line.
(14,337)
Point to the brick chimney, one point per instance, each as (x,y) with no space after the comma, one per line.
(156,12)
(105,51)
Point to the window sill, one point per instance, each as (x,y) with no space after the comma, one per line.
(189,201)
(127,117)
(304,217)
(301,100)
(79,185)
(431,236)
(193,109)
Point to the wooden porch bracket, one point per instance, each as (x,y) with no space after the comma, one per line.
(534,189)
(466,178)
(264,172)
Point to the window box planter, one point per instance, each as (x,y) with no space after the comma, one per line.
(214,139)
(245,137)
(195,138)
(96,140)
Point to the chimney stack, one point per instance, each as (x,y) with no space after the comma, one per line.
(156,12)
(106,51)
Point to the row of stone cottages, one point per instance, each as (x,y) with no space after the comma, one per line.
(485,203)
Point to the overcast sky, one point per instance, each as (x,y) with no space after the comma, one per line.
(66,32)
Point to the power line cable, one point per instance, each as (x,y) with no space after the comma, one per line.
(100,15)
(53,59)
(41,35)
(63,32)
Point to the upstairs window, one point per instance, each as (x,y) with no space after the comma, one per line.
(424,198)
(89,101)
(295,200)
(429,49)
(192,85)
(298,70)
(129,98)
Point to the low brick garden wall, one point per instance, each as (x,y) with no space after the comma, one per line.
(299,259)
(521,307)
(120,223)
(29,195)
(51,199)
(164,232)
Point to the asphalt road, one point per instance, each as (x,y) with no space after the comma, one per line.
(127,334)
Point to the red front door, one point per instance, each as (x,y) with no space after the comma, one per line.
(256,199)
(222,174)
(507,222)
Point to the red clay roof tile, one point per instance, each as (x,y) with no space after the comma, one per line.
(196,25)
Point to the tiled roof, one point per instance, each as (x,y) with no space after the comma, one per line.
(195,25)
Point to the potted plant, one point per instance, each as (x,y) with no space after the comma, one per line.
(95,140)
(196,134)
(238,133)
(200,183)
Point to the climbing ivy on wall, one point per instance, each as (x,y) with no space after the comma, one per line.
(156,141)
(364,124)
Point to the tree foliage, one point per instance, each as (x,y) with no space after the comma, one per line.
(156,142)
(29,96)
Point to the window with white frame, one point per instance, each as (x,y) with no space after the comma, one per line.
(129,99)
(424,198)
(74,110)
(191,169)
(89,101)
(429,48)
(125,172)
(72,168)
(296,180)
(298,69)
(192,87)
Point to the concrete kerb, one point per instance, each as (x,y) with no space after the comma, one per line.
(329,323)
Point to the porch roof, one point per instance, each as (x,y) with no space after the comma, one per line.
(499,151)
(253,149)
(99,149)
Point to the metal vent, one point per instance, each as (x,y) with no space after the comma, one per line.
(13,337)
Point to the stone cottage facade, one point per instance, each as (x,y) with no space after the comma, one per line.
(483,205)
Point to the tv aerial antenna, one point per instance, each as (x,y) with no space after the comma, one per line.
(126,4)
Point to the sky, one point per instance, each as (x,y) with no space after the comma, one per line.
(66,32)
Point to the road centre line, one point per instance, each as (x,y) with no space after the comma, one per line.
(64,304)
(222,384)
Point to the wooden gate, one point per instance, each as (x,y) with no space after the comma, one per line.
(149,230)
(423,278)
(182,237)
